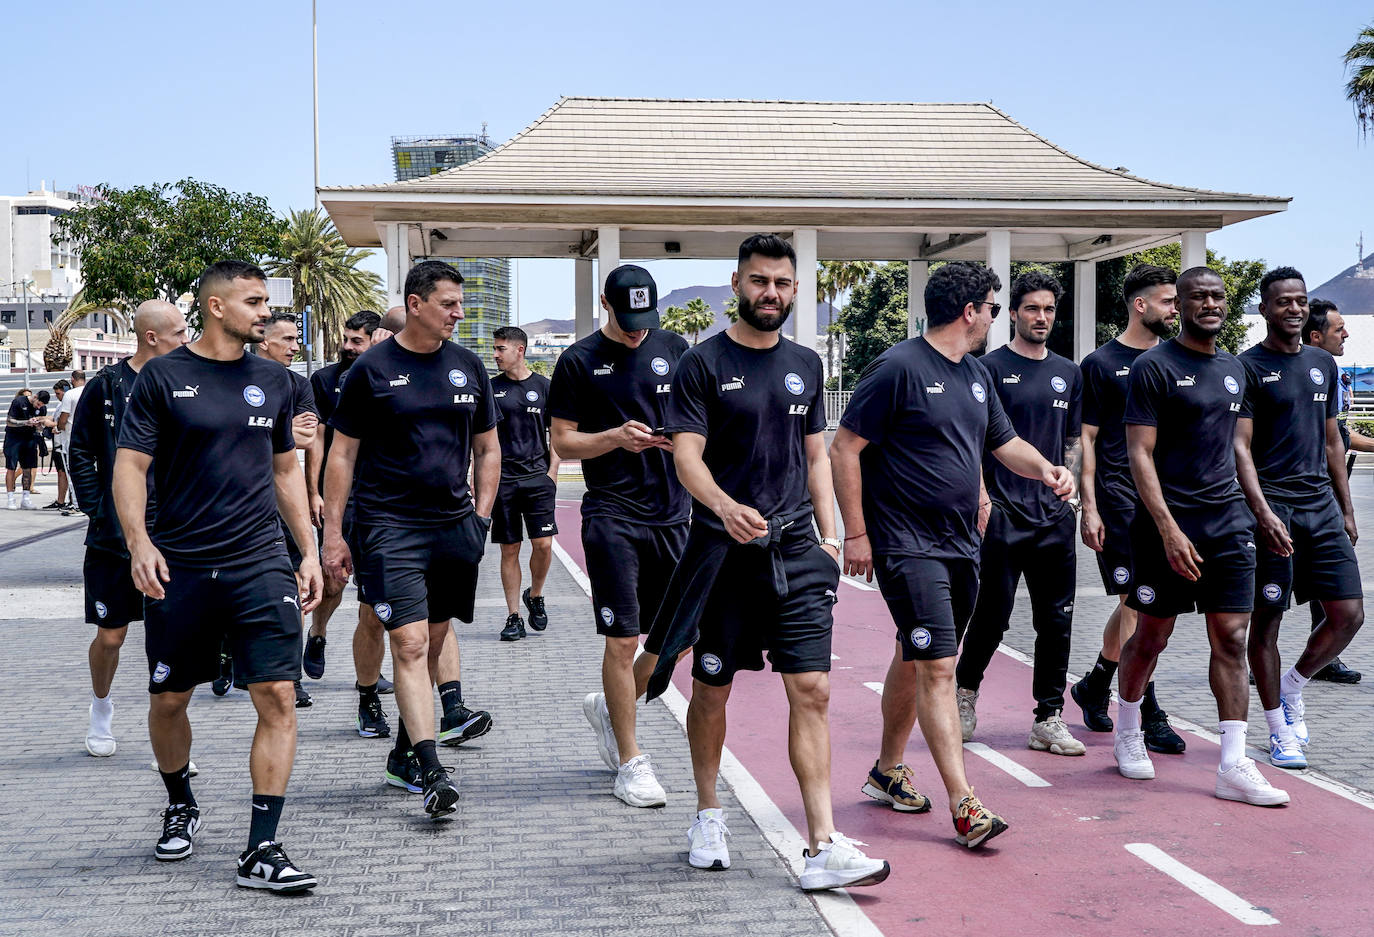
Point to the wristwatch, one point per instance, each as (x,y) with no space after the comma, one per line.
(835,542)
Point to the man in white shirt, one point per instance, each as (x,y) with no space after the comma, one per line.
(68,394)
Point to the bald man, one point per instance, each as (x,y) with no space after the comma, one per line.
(393,322)
(112,601)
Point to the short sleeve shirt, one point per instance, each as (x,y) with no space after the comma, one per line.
(67,406)
(524,426)
(326,384)
(1290,397)
(20,409)
(1106,377)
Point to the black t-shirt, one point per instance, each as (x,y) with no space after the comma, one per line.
(755,407)
(1193,400)
(1290,398)
(1106,376)
(212,428)
(1043,400)
(599,384)
(326,384)
(524,426)
(21,408)
(927,421)
(415,415)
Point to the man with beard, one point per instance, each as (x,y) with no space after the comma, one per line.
(907,463)
(748,425)
(1109,496)
(1193,545)
(1290,459)
(608,400)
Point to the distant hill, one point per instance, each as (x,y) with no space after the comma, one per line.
(1353,296)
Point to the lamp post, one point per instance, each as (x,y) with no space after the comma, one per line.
(28,344)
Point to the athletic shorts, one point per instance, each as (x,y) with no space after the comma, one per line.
(410,574)
(252,609)
(629,565)
(1322,567)
(1228,567)
(21,454)
(1114,562)
(59,460)
(347,525)
(112,600)
(744,617)
(293,552)
(931,600)
(529,498)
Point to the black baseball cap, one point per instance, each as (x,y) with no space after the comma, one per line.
(633,296)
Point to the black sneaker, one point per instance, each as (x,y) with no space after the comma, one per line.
(55,506)
(1094,708)
(1160,736)
(1334,672)
(539,619)
(226,675)
(403,771)
(180,824)
(461,724)
(268,867)
(514,630)
(372,722)
(441,796)
(385,686)
(303,699)
(314,656)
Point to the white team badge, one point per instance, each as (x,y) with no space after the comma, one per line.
(531,395)
(607,616)
(383,611)
(1120,575)
(1145,594)
(1316,375)
(659,366)
(710,663)
(1272,591)
(457,378)
(101,610)
(1231,384)
(979,394)
(254,396)
(639,297)
(920,639)
(1059,384)
(161,672)
(794,383)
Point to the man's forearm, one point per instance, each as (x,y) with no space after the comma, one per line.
(130,489)
(848,482)
(1073,460)
(1340,482)
(821,488)
(486,477)
(574,444)
(313,457)
(291,502)
(1022,458)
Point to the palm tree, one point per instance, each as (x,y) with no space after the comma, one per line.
(1360,90)
(693,320)
(58,351)
(732,309)
(832,279)
(325,276)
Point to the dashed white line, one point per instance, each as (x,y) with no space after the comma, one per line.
(1201,885)
(875,687)
(998,760)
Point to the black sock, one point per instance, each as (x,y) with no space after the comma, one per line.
(1150,706)
(179,786)
(429,759)
(266,816)
(451,694)
(402,737)
(366,691)
(1099,679)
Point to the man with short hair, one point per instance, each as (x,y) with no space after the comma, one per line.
(609,398)
(1108,493)
(67,396)
(529,479)
(21,448)
(1193,544)
(907,462)
(112,599)
(214,426)
(1290,462)
(1029,529)
(416,411)
(64,418)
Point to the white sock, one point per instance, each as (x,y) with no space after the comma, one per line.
(102,715)
(1128,715)
(1277,725)
(709,812)
(1291,683)
(1232,742)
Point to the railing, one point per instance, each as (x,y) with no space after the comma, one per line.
(835,402)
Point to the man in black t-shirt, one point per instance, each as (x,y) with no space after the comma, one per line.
(1109,496)
(1193,544)
(529,479)
(1291,461)
(21,448)
(609,399)
(214,426)
(416,411)
(1029,529)
(907,461)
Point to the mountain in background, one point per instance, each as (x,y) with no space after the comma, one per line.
(1353,295)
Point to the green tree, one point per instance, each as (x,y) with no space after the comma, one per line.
(1359,59)
(834,278)
(325,276)
(874,319)
(732,309)
(696,318)
(152,242)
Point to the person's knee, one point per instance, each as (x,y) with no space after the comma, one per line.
(708,699)
(542,547)
(811,691)
(110,640)
(621,650)
(1349,617)
(510,551)
(936,673)
(164,706)
(275,701)
(410,644)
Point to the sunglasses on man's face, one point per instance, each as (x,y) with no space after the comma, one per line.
(996,307)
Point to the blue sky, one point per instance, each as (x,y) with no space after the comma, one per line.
(1242,97)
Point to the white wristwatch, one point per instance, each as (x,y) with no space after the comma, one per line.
(835,542)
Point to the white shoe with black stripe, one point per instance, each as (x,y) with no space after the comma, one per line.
(269,868)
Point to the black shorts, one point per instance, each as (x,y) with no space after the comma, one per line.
(744,617)
(252,609)
(1114,562)
(59,461)
(629,565)
(529,498)
(293,552)
(410,574)
(347,525)
(112,601)
(1322,567)
(20,453)
(930,599)
(1228,567)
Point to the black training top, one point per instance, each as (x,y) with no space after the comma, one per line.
(1106,375)
(1193,400)
(326,384)
(755,407)
(212,428)
(927,421)
(1043,400)
(524,426)
(600,384)
(20,409)
(1290,397)
(415,415)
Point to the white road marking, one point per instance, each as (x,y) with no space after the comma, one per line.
(1201,885)
(998,760)
(858,584)
(573,569)
(875,687)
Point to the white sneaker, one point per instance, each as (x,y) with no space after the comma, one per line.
(636,785)
(191,769)
(1286,752)
(1052,735)
(594,708)
(706,840)
(27,504)
(968,716)
(99,737)
(1295,714)
(1243,782)
(13,504)
(840,863)
(1132,760)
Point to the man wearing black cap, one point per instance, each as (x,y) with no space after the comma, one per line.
(608,400)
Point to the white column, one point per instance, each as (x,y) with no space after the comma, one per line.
(999,259)
(917,275)
(397,261)
(586,298)
(804,313)
(607,255)
(1084,308)
(1194,249)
